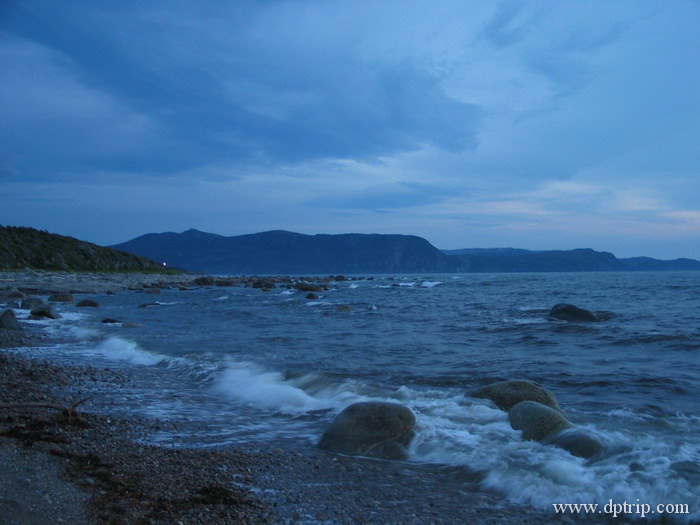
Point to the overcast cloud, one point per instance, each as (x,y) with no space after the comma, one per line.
(533,124)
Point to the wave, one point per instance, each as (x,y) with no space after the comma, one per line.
(638,466)
(118,349)
(248,383)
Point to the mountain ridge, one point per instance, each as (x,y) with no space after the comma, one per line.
(285,252)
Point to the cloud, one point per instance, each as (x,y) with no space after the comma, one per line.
(242,82)
(460,121)
(52,122)
(385,197)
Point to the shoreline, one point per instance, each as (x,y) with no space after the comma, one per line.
(93,470)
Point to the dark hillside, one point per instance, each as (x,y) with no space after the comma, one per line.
(22,248)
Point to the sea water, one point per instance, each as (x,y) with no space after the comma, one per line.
(237,365)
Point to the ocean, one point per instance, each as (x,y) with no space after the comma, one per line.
(235,365)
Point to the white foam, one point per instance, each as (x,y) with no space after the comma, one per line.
(222,298)
(473,434)
(248,383)
(118,349)
(430,284)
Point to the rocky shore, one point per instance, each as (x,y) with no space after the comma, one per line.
(67,462)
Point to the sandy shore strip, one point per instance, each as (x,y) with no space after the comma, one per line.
(89,467)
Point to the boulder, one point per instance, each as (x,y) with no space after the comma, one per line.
(537,421)
(8,321)
(61,298)
(374,429)
(44,311)
(204,281)
(109,320)
(569,312)
(31,302)
(89,303)
(507,394)
(311,296)
(578,442)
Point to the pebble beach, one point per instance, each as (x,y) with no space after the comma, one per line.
(82,465)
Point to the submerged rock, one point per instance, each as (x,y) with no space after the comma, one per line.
(8,321)
(31,302)
(303,286)
(89,303)
(569,312)
(507,394)
(61,298)
(537,421)
(374,429)
(44,311)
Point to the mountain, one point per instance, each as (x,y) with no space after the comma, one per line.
(283,252)
(22,248)
(647,264)
(579,260)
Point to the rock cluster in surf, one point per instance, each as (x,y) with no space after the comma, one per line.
(535,411)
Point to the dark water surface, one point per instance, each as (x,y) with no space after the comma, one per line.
(231,365)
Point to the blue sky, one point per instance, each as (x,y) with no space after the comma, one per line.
(533,124)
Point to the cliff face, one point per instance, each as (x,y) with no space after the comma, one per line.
(29,248)
(282,252)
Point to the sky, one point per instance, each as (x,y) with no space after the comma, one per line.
(542,124)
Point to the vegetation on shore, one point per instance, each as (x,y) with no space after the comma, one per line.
(28,248)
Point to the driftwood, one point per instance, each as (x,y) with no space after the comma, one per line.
(68,411)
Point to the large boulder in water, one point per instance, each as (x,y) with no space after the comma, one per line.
(507,394)
(569,312)
(546,425)
(537,421)
(374,429)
